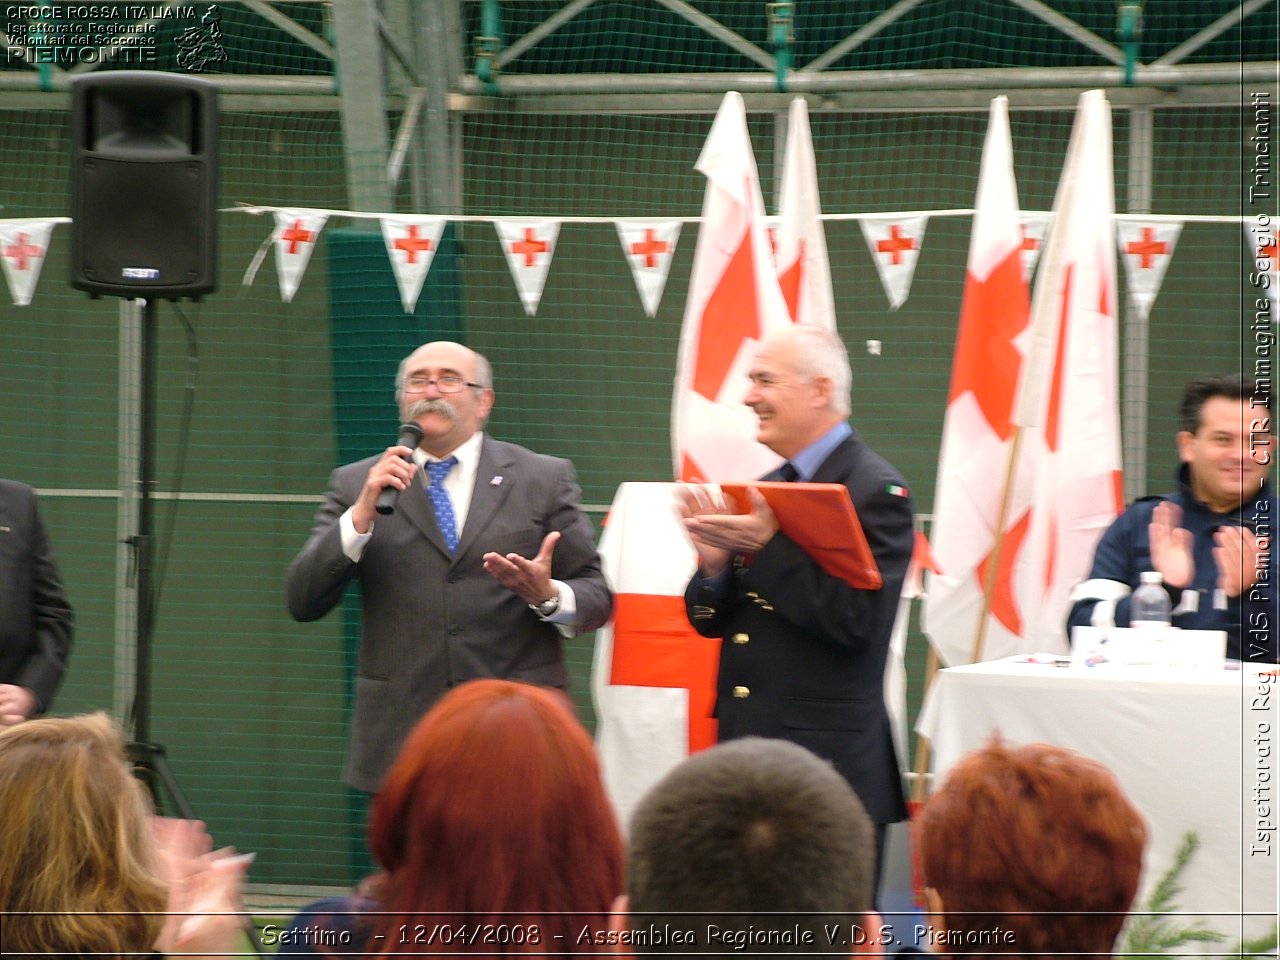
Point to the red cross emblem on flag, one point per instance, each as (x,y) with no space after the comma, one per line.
(22,250)
(896,244)
(412,244)
(529,247)
(295,234)
(1147,248)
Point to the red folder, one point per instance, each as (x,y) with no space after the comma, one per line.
(821,519)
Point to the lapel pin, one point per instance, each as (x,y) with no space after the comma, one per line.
(496,482)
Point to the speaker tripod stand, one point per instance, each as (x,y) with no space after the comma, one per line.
(148,758)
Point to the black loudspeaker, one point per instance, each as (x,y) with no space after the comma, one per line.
(144,184)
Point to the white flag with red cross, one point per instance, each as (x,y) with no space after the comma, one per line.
(23,245)
(411,245)
(733,302)
(978,430)
(295,239)
(529,246)
(649,248)
(895,242)
(1146,249)
(800,250)
(1070,391)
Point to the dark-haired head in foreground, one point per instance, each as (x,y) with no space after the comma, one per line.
(753,846)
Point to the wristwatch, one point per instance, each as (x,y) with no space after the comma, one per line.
(546,608)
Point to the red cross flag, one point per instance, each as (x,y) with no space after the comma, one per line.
(23,245)
(894,243)
(804,271)
(649,248)
(1264,272)
(1033,227)
(294,239)
(733,301)
(411,246)
(653,679)
(976,492)
(1070,392)
(529,246)
(1146,249)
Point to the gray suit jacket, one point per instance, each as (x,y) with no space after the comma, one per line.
(431,621)
(35,617)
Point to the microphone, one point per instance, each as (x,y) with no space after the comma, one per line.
(410,436)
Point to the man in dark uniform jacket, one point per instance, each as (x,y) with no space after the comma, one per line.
(1210,539)
(35,617)
(804,652)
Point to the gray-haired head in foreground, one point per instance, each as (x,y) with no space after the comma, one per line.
(752,835)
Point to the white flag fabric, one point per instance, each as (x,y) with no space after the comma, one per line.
(733,301)
(529,246)
(411,246)
(804,270)
(1034,226)
(1264,272)
(649,248)
(23,246)
(895,244)
(1070,390)
(295,238)
(653,676)
(1146,249)
(978,428)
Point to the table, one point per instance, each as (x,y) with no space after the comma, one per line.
(1194,752)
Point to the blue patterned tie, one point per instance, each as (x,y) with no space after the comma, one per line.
(437,470)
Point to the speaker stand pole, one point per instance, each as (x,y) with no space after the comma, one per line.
(148,757)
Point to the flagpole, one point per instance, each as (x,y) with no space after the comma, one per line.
(922,742)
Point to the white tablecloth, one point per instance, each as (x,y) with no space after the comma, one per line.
(1194,752)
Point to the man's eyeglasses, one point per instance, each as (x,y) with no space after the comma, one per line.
(445,384)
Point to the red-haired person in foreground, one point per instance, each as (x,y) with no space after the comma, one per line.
(1029,851)
(494,834)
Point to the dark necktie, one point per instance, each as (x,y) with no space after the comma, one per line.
(789,473)
(437,470)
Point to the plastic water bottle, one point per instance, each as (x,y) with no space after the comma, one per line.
(1149,606)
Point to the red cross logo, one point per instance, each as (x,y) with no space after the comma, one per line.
(529,247)
(412,245)
(649,248)
(895,245)
(20,250)
(296,235)
(1148,248)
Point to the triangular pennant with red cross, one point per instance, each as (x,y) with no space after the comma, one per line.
(649,248)
(294,239)
(411,246)
(1033,226)
(895,243)
(1146,249)
(529,246)
(23,245)
(1264,272)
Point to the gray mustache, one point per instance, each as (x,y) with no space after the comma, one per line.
(439,405)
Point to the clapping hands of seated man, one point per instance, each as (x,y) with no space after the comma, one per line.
(717,533)
(1235,552)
